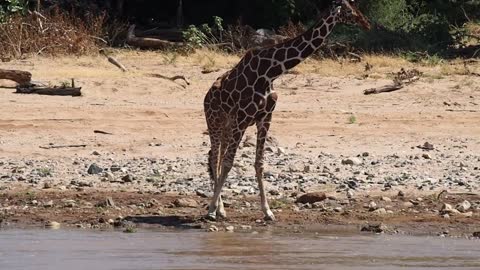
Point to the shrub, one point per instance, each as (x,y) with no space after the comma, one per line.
(56,33)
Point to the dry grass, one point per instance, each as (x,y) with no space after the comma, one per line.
(382,66)
(57,33)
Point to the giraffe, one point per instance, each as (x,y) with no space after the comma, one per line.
(244,96)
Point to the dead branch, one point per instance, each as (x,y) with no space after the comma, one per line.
(400,80)
(51,91)
(383,89)
(113,60)
(173,79)
(64,146)
(456,194)
(23,78)
(452,110)
(102,132)
(149,43)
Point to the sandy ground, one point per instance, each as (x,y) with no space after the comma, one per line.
(313,115)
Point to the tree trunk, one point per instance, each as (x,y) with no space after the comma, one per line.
(23,78)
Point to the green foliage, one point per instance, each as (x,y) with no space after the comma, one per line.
(391,14)
(9,7)
(205,34)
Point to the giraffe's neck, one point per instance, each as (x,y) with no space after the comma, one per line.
(287,55)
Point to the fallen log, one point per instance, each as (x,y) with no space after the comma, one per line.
(113,60)
(51,91)
(149,43)
(64,146)
(23,78)
(383,89)
(402,78)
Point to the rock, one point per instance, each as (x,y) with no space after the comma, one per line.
(52,225)
(352,161)
(380,211)
(350,194)
(115,168)
(109,177)
(281,151)
(447,208)
(246,227)
(372,206)
(386,199)
(186,202)
(202,194)
(249,141)
(69,203)
(426,146)
(426,156)
(128,178)
(48,204)
(94,169)
(229,228)
(379,228)
(311,197)
(107,203)
(274,192)
(408,204)
(338,209)
(47,185)
(213,228)
(464,206)
(476,234)
(96,153)
(401,194)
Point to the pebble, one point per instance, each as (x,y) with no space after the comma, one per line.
(281,151)
(376,228)
(48,204)
(212,228)
(372,206)
(94,169)
(352,161)
(464,206)
(426,156)
(186,202)
(229,228)
(380,211)
(128,178)
(312,197)
(386,199)
(52,225)
(408,204)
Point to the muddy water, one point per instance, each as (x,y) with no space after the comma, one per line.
(72,250)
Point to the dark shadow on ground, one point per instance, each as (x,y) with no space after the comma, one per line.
(180,222)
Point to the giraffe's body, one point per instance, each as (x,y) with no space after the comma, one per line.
(244,96)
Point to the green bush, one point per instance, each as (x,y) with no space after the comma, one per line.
(10,7)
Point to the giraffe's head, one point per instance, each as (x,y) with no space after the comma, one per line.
(348,13)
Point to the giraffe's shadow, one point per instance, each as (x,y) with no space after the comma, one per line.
(179,222)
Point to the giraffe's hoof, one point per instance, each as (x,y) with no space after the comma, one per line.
(269,216)
(211,216)
(221,214)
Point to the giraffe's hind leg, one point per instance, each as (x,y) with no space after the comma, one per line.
(262,131)
(232,141)
(214,161)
